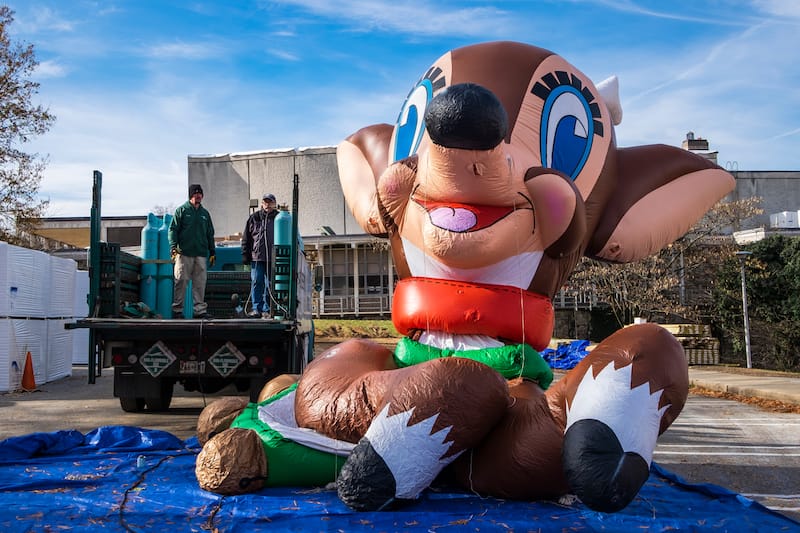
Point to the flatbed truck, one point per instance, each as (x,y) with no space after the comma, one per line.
(150,355)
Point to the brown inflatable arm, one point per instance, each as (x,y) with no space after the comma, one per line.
(662,191)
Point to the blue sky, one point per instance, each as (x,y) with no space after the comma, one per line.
(137,85)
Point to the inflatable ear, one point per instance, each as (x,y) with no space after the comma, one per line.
(362,158)
(609,91)
(662,191)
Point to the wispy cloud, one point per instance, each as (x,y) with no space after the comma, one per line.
(790,133)
(184,50)
(282,54)
(678,12)
(43,19)
(779,8)
(411,17)
(50,69)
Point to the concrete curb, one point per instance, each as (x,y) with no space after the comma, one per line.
(783,389)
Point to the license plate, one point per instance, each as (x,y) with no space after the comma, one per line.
(192,367)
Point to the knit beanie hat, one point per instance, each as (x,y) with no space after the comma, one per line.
(195,188)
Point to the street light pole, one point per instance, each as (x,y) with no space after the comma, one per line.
(743,255)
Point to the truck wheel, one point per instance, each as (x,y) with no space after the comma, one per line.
(256,384)
(130,404)
(162,401)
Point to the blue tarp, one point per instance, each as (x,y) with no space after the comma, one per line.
(119,478)
(566,355)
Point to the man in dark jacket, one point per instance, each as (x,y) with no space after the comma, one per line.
(191,241)
(257,241)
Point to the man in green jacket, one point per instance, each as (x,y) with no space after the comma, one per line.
(191,241)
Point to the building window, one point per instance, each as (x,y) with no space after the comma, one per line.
(339,270)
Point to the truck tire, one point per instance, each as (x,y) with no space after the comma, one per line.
(256,384)
(160,402)
(131,404)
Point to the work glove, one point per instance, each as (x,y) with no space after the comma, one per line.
(173,253)
(211,260)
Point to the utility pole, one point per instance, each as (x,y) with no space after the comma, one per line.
(743,255)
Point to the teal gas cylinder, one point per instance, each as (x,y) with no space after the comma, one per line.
(164,276)
(281,271)
(147,287)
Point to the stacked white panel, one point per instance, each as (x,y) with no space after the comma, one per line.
(18,336)
(10,368)
(80,337)
(59,350)
(25,281)
(61,296)
(4,285)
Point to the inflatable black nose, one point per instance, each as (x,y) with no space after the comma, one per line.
(466,116)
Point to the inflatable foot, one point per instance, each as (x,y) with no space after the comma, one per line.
(394,460)
(217,417)
(600,472)
(610,437)
(365,482)
(232,462)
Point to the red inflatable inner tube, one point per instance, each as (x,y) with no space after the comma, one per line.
(499,311)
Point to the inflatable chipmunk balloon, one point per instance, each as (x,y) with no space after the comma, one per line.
(500,173)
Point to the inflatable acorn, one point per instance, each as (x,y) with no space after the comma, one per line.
(500,173)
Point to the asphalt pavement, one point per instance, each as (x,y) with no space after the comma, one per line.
(71,403)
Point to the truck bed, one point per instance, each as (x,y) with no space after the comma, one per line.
(132,328)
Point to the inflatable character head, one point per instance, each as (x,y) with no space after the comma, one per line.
(502,170)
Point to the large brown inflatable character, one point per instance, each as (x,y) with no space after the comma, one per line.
(501,172)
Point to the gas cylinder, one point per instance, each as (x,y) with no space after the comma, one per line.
(147,287)
(283,251)
(165,280)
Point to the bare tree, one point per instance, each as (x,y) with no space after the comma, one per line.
(678,280)
(20,121)
(162,210)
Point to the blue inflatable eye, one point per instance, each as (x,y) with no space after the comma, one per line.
(567,131)
(571,118)
(410,125)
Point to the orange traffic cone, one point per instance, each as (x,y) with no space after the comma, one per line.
(28,381)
